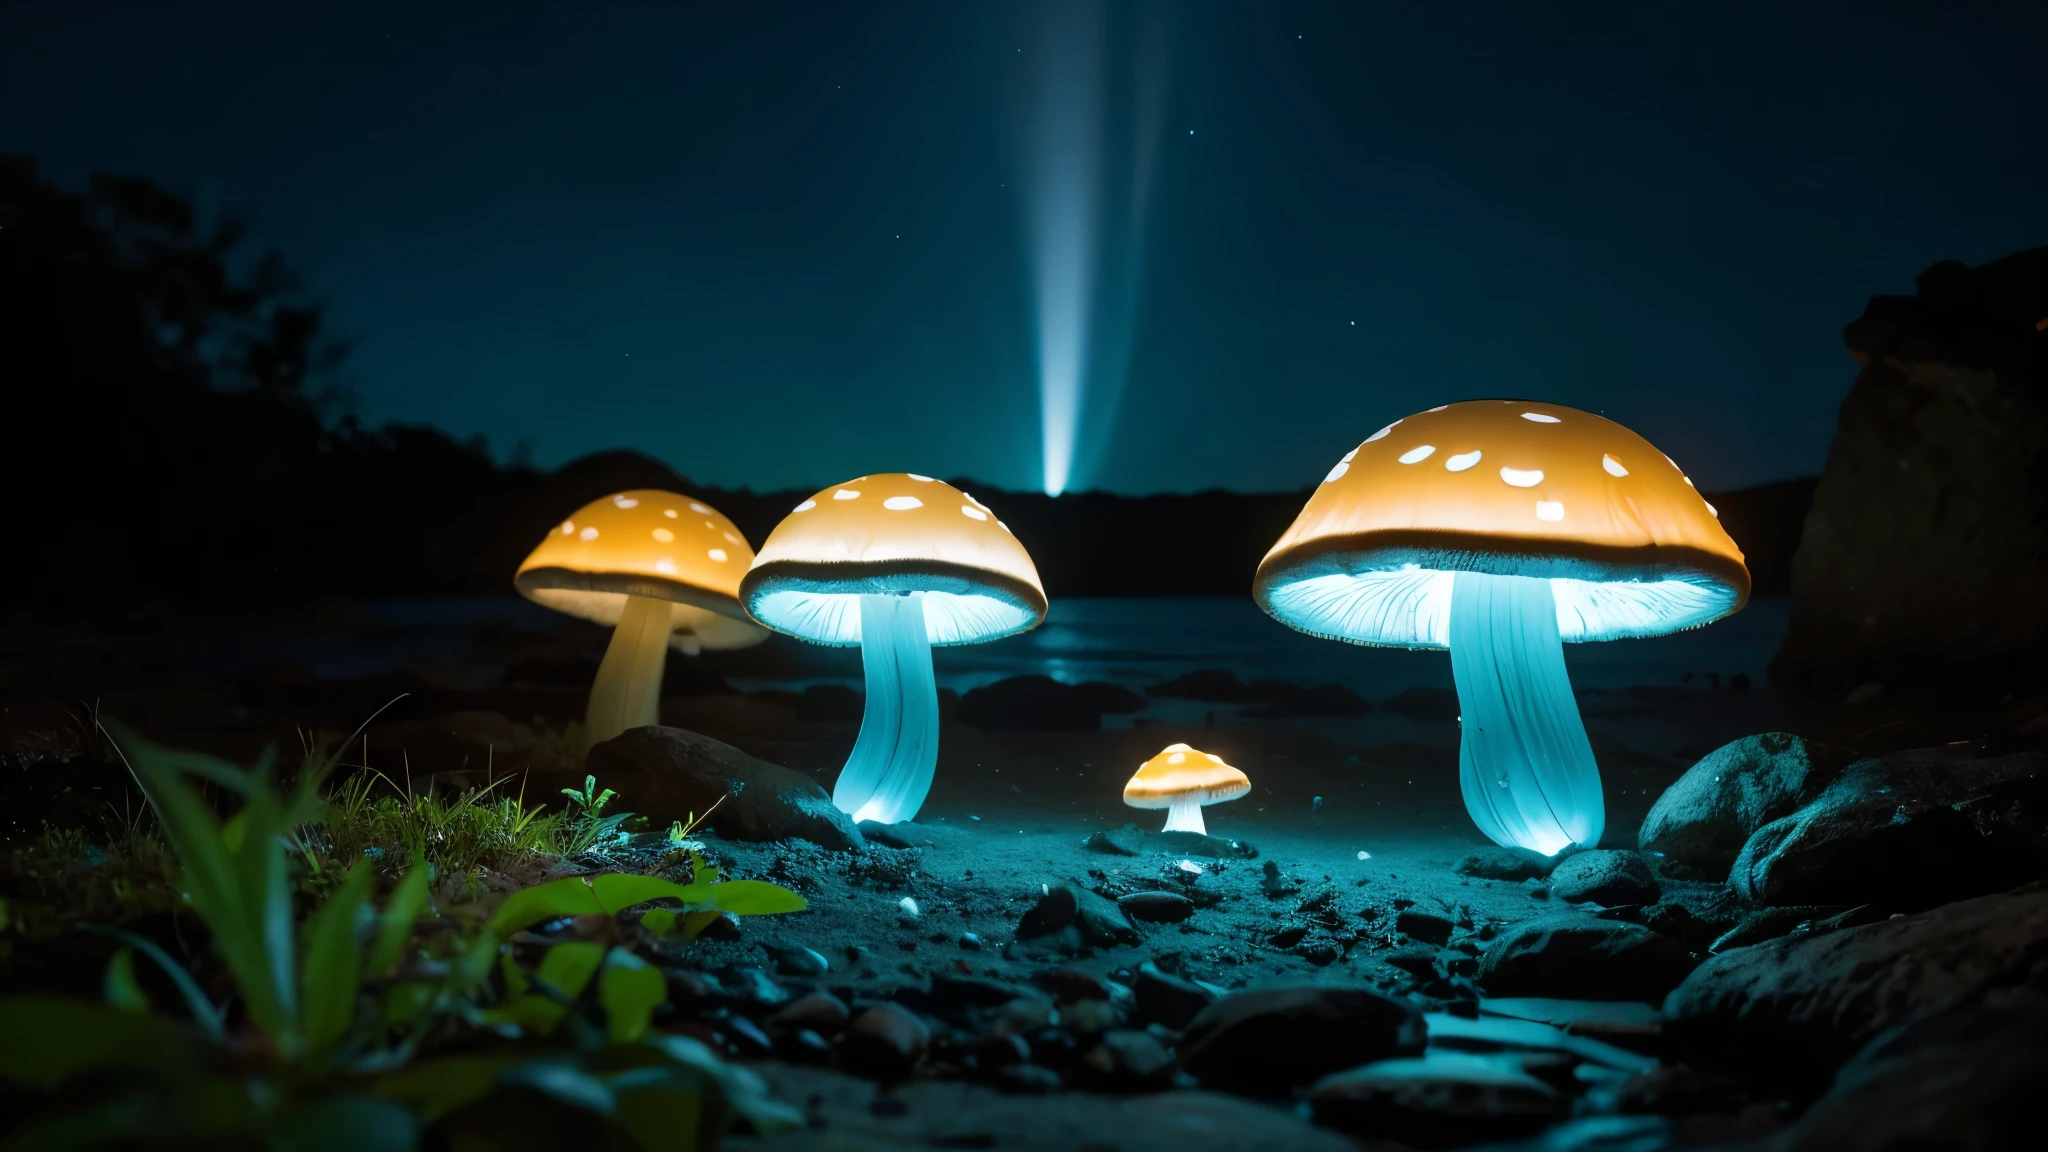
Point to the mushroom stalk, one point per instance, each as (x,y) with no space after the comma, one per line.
(1185,815)
(1524,763)
(890,771)
(627,693)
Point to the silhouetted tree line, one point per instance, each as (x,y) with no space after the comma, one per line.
(182,433)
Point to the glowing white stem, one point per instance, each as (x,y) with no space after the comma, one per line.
(627,693)
(1185,815)
(890,772)
(1524,764)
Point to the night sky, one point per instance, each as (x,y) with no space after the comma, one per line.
(780,245)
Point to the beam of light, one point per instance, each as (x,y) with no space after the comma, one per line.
(1063,204)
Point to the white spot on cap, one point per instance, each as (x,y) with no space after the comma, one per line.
(1350,456)
(1540,418)
(1176,758)
(1462,460)
(699,509)
(710,525)
(806,506)
(1336,472)
(669,512)
(729,536)
(1522,479)
(664,535)
(1551,510)
(902,503)
(1613,466)
(973,513)
(1214,757)
(717,554)
(588,534)
(1711,511)
(1381,434)
(665,566)
(846,494)
(1417,455)
(625,502)
(1004,527)
(568,527)
(1438,408)
(920,479)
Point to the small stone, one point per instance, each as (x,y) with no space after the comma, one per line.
(1427,927)
(1055,910)
(1576,957)
(1168,999)
(1089,1017)
(820,1012)
(1072,984)
(1498,863)
(1438,1100)
(1128,840)
(1157,907)
(1604,876)
(1028,1079)
(1126,1060)
(970,942)
(746,1037)
(1101,922)
(1270,1040)
(800,962)
(1417,961)
(755,985)
(884,1042)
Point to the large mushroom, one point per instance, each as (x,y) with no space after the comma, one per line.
(661,569)
(1183,780)
(1501,529)
(896,564)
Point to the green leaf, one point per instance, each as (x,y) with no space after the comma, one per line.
(630,990)
(567,968)
(660,921)
(618,891)
(569,896)
(663,1119)
(204,1013)
(434,1088)
(565,1082)
(350,1123)
(698,920)
(119,987)
(334,961)
(265,890)
(50,1039)
(755,898)
(394,928)
(742,1088)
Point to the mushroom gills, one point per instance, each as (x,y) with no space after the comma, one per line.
(627,692)
(890,771)
(1185,814)
(1524,764)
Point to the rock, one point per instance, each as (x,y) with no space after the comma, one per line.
(969,942)
(1636,1026)
(1926,548)
(1291,701)
(667,773)
(1765,924)
(1042,704)
(1426,705)
(1269,1041)
(1055,910)
(1101,922)
(1128,840)
(798,961)
(1441,1100)
(1427,927)
(754,985)
(1028,1079)
(1127,1060)
(820,1012)
(1604,876)
(1417,961)
(1572,957)
(1069,983)
(1795,1009)
(1163,998)
(1670,1090)
(1906,832)
(1481,1031)
(1497,863)
(1702,821)
(1158,907)
(950,994)
(884,1042)
(902,834)
(1968,1077)
(1275,885)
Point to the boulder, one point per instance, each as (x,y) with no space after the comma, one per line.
(1427,927)
(1701,822)
(1166,999)
(1441,1100)
(1604,876)
(1926,548)
(1497,863)
(1794,1009)
(1269,1041)
(666,774)
(1575,957)
(1914,829)
(1426,705)
(1969,1077)
(1042,704)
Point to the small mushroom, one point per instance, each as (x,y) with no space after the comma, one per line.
(894,563)
(1500,530)
(661,569)
(1182,780)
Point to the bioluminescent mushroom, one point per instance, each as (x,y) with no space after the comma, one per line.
(659,568)
(895,563)
(1182,780)
(1502,529)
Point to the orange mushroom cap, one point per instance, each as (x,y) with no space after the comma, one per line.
(1180,771)
(649,543)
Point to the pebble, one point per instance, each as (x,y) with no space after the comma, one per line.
(817,1011)
(970,942)
(1269,1041)
(1166,998)
(1427,927)
(884,1042)
(1157,907)
(1028,1079)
